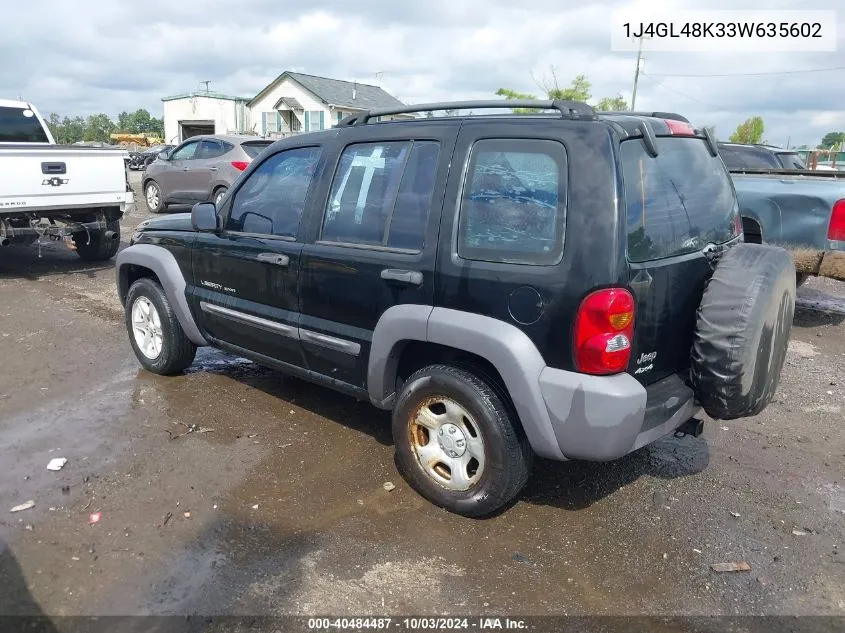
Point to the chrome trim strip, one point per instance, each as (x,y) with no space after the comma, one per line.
(338,344)
(248,319)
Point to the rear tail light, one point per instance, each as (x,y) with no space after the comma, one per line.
(604,329)
(679,128)
(836,229)
(240,165)
(737,225)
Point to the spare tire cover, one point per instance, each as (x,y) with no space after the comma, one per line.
(742,331)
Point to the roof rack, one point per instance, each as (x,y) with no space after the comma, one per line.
(657,115)
(567,109)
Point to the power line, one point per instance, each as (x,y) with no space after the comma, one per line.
(685,95)
(777,72)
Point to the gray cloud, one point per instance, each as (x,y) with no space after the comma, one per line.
(120,56)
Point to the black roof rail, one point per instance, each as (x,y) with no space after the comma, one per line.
(567,109)
(657,115)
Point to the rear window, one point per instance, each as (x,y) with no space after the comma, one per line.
(254,149)
(790,160)
(748,158)
(678,202)
(19,125)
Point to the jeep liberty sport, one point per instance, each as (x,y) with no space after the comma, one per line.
(570,284)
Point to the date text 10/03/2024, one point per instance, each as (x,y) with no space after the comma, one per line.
(415,624)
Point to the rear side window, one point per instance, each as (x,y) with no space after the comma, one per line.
(678,202)
(513,203)
(212,149)
(19,125)
(254,149)
(381,194)
(790,160)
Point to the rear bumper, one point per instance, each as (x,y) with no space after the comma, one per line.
(600,418)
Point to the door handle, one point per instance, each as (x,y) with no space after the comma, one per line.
(186,169)
(410,277)
(212,168)
(273,258)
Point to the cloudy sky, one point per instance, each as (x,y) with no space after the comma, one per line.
(115,55)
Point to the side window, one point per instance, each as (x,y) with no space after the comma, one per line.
(272,199)
(186,152)
(381,194)
(513,202)
(212,149)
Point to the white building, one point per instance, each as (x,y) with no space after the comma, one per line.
(292,103)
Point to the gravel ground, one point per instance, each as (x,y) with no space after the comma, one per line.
(281,508)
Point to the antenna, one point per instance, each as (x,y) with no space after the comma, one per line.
(206,85)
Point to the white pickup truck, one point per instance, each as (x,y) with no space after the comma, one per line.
(59,192)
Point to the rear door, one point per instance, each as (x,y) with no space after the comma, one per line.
(245,290)
(373,244)
(202,171)
(681,211)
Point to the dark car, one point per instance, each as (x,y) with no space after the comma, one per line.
(572,285)
(201,168)
(140,160)
(742,156)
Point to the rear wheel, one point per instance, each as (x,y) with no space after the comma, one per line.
(218,196)
(153,197)
(98,246)
(457,443)
(156,336)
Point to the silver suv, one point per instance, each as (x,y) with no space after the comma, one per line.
(200,169)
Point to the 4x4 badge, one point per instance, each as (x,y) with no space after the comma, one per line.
(55,181)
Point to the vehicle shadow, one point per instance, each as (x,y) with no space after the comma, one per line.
(19,611)
(576,485)
(23,262)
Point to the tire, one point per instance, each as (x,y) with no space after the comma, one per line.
(742,332)
(218,195)
(497,479)
(175,352)
(155,203)
(98,246)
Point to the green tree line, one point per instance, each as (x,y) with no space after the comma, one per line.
(99,127)
(577,90)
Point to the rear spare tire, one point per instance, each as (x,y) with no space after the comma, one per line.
(742,331)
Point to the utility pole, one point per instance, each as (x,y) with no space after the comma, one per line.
(636,75)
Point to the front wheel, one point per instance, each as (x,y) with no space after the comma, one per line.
(155,333)
(153,197)
(457,443)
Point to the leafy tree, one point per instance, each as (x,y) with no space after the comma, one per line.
(577,90)
(750,131)
(612,104)
(98,127)
(832,139)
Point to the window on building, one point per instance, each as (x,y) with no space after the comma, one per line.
(272,125)
(316,118)
(512,209)
(381,194)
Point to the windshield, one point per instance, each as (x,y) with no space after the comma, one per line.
(20,125)
(678,202)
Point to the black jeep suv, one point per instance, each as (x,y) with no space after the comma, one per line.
(568,284)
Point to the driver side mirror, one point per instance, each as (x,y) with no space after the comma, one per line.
(164,154)
(204,217)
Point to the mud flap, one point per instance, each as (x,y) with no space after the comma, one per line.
(742,331)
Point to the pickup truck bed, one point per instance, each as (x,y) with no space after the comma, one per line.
(793,209)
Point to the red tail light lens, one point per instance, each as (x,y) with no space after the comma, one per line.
(737,225)
(604,329)
(240,165)
(679,128)
(836,229)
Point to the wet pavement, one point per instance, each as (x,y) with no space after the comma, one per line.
(280,507)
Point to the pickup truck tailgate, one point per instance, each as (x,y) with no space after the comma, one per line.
(60,177)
